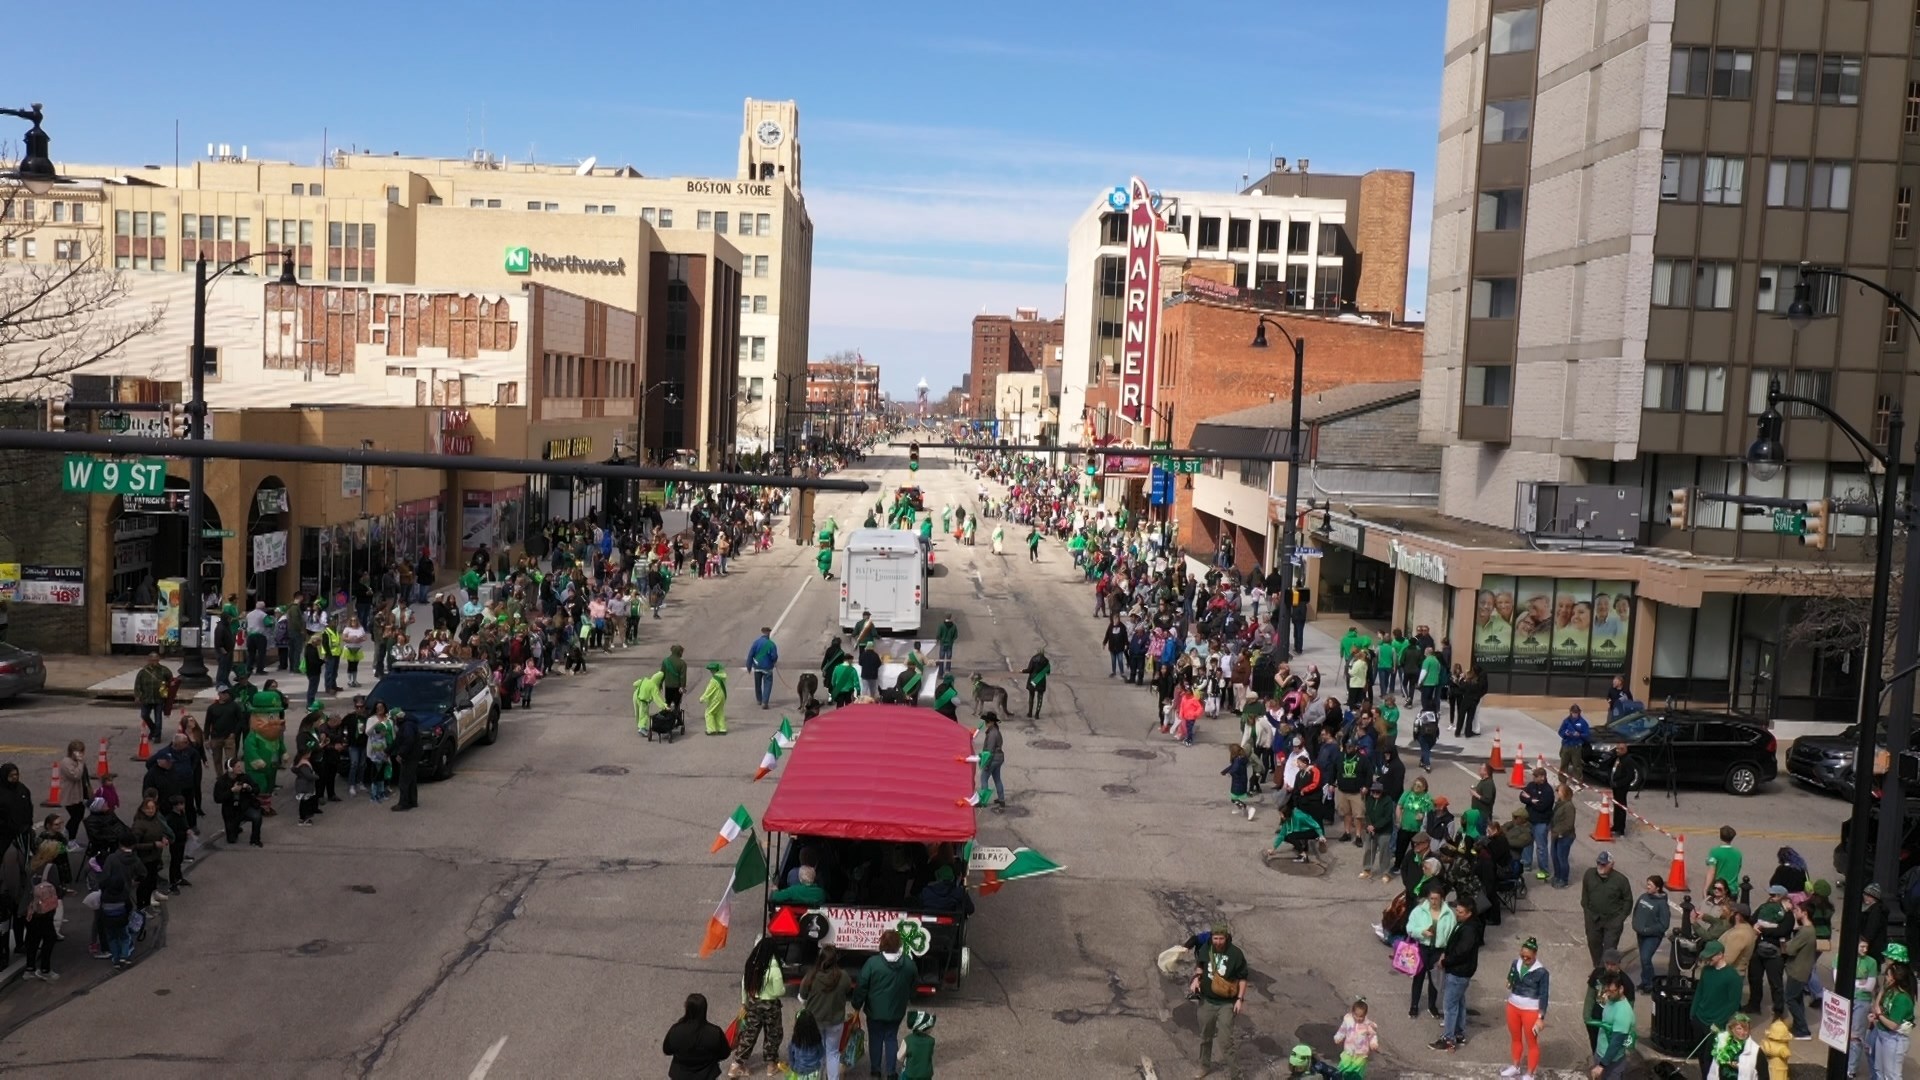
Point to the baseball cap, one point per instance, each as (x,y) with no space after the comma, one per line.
(1776,890)
(1603,859)
(1611,956)
(1711,949)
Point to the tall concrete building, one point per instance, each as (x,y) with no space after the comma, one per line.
(1321,243)
(1623,192)
(483,220)
(1005,344)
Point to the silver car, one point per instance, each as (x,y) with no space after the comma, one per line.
(22,671)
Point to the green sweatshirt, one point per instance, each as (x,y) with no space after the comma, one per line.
(1717,996)
(918,1063)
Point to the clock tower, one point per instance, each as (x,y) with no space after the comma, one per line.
(770,142)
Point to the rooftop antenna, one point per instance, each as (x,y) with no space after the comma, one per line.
(586,167)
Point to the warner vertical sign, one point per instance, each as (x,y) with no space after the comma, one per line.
(1140,327)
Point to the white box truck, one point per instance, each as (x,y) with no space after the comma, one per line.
(884,572)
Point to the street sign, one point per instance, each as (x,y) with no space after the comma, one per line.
(990,858)
(96,476)
(1307,552)
(1790,522)
(216,534)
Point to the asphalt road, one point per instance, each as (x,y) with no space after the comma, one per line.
(542,913)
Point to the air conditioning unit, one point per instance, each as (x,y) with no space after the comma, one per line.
(1578,515)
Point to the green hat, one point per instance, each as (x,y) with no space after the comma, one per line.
(716,665)
(1531,945)
(316,707)
(919,1021)
(1300,1056)
(1222,928)
(1470,822)
(1712,949)
(1739,1018)
(1896,953)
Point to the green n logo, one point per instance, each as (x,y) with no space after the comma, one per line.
(519,260)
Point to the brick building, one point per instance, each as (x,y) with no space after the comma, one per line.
(1022,341)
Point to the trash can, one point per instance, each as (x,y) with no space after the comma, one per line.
(1686,951)
(1672,1032)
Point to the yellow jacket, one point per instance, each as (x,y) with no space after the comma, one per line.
(1777,1047)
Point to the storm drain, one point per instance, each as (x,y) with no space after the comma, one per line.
(609,770)
(365,889)
(1119,789)
(1049,744)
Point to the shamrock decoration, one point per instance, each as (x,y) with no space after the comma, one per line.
(913,937)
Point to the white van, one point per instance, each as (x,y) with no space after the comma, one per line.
(884,571)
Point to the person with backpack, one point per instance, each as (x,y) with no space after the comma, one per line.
(120,877)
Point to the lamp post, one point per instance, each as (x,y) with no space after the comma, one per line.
(786,417)
(35,170)
(1765,458)
(1288,539)
(670,398)
(193,663)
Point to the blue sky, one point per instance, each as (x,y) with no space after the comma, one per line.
(945,153)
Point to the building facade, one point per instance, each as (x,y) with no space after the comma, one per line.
(843,395)
(607,232)
(1022,341)
(1623,195)
(1317,243)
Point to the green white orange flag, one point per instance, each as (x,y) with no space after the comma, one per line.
(781,742)
(749,871)
(731,828)
(1028,863)
(978,798)
(980,758)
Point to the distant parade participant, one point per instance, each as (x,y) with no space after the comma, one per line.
(714,697)
(647,694)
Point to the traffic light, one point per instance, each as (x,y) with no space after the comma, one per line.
(57,414)
(1680,508)
(1819,521)
(179,423)
(913,456)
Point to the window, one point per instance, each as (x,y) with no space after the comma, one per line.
(476,204)
(1786,183)
(763,224)
(1732,74)
(1508,121)
(1326,288)
(1798,76)
(719,220)
(1209,234)
(1680,178)
(226,227)
(746,225)
(299,189)
(139,221)
(592,209)
(190,227)
(1695,388)
(1832,185)
(1670,278)
(646,214)
(759,266)
(757,389)
(1912,126)
(66,250)
(1489,385)
(1890,326)
(1330,239)
(703,219)
(1722,180)
(1713,286)
(759,305)
(1112,274)
(79,213)
(1688,75)
(550,207)
(493,204)
(1298,234)
(1839,80)
(393,193)
(31,246)
(122,223)
(1239,234)
(759,350)
(1902,213)
(1821,185)
(1296,289)
(59,211)
(316,192)
(160,227)
(533,204)
(666,217)
(746,303)
(1514,31)
(1814,385)
(1495,298)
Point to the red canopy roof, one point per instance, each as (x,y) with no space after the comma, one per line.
(877,772)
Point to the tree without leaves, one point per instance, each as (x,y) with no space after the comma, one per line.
(57,318)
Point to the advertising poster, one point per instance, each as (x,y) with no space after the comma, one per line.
(1572,622)
(1532,623)
(167,632)
(269,551)
(1493,623)
(1612,626)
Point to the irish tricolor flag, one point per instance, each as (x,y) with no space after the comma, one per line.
(781,742)
(749,871)
(731,828)
(978,798)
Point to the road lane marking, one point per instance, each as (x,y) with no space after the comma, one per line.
(790,603)
(487,1059)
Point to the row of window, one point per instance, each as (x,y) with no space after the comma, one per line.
(1240,235)
(1792,183)
(755,304)
(1707,285)
(564,376)
(57,212)
(1702,388)
(28,247)
(753,389)
(1832,79)
(753,348)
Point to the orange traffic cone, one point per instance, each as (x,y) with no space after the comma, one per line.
(1677,873)
(53,788)
(1496,762)
(1603,825)
(146,745)
(100,767)
(1542,763)
(1519,777)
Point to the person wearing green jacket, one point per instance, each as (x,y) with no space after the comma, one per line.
(886,983)
(918,1062)
(1301,830)
(943,640)
(646,695)
(1415,805)
(1376,855)
(1433,675)
(1429,925)
(1716,997)
(1353,639)
(714,697)
(1033,545)
(844,682)
(674,672)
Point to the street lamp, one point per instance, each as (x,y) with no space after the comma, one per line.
(1765,458)
(35,170)
(1288,539)
(669,399)
(193,664)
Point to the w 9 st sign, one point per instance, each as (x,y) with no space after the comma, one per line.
(1140,323)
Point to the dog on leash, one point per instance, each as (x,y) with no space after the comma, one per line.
(984,693)
(809,686)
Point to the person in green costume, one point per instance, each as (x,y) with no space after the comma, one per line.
(647,695)
(1033,545)
(263,751)
(926,529)
(973,527)
(824,561)
(844,681)
(946,519)
(915,675)
(999,535)
(714,697)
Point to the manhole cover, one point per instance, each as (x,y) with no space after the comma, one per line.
(367,890)
(1011,810)
(1119,789)
(163,992)
(1136,754)
(1282,861)
(609,770)
(1049,744)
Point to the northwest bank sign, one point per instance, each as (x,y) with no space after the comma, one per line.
(525,260)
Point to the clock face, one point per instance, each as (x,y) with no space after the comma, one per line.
(768,133)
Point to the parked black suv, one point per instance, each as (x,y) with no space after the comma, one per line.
(1694,747)
(453,702)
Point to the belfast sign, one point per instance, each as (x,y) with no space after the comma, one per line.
(1140,325)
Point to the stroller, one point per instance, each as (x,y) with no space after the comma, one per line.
(668,724)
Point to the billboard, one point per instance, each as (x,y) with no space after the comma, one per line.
(1140,322)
